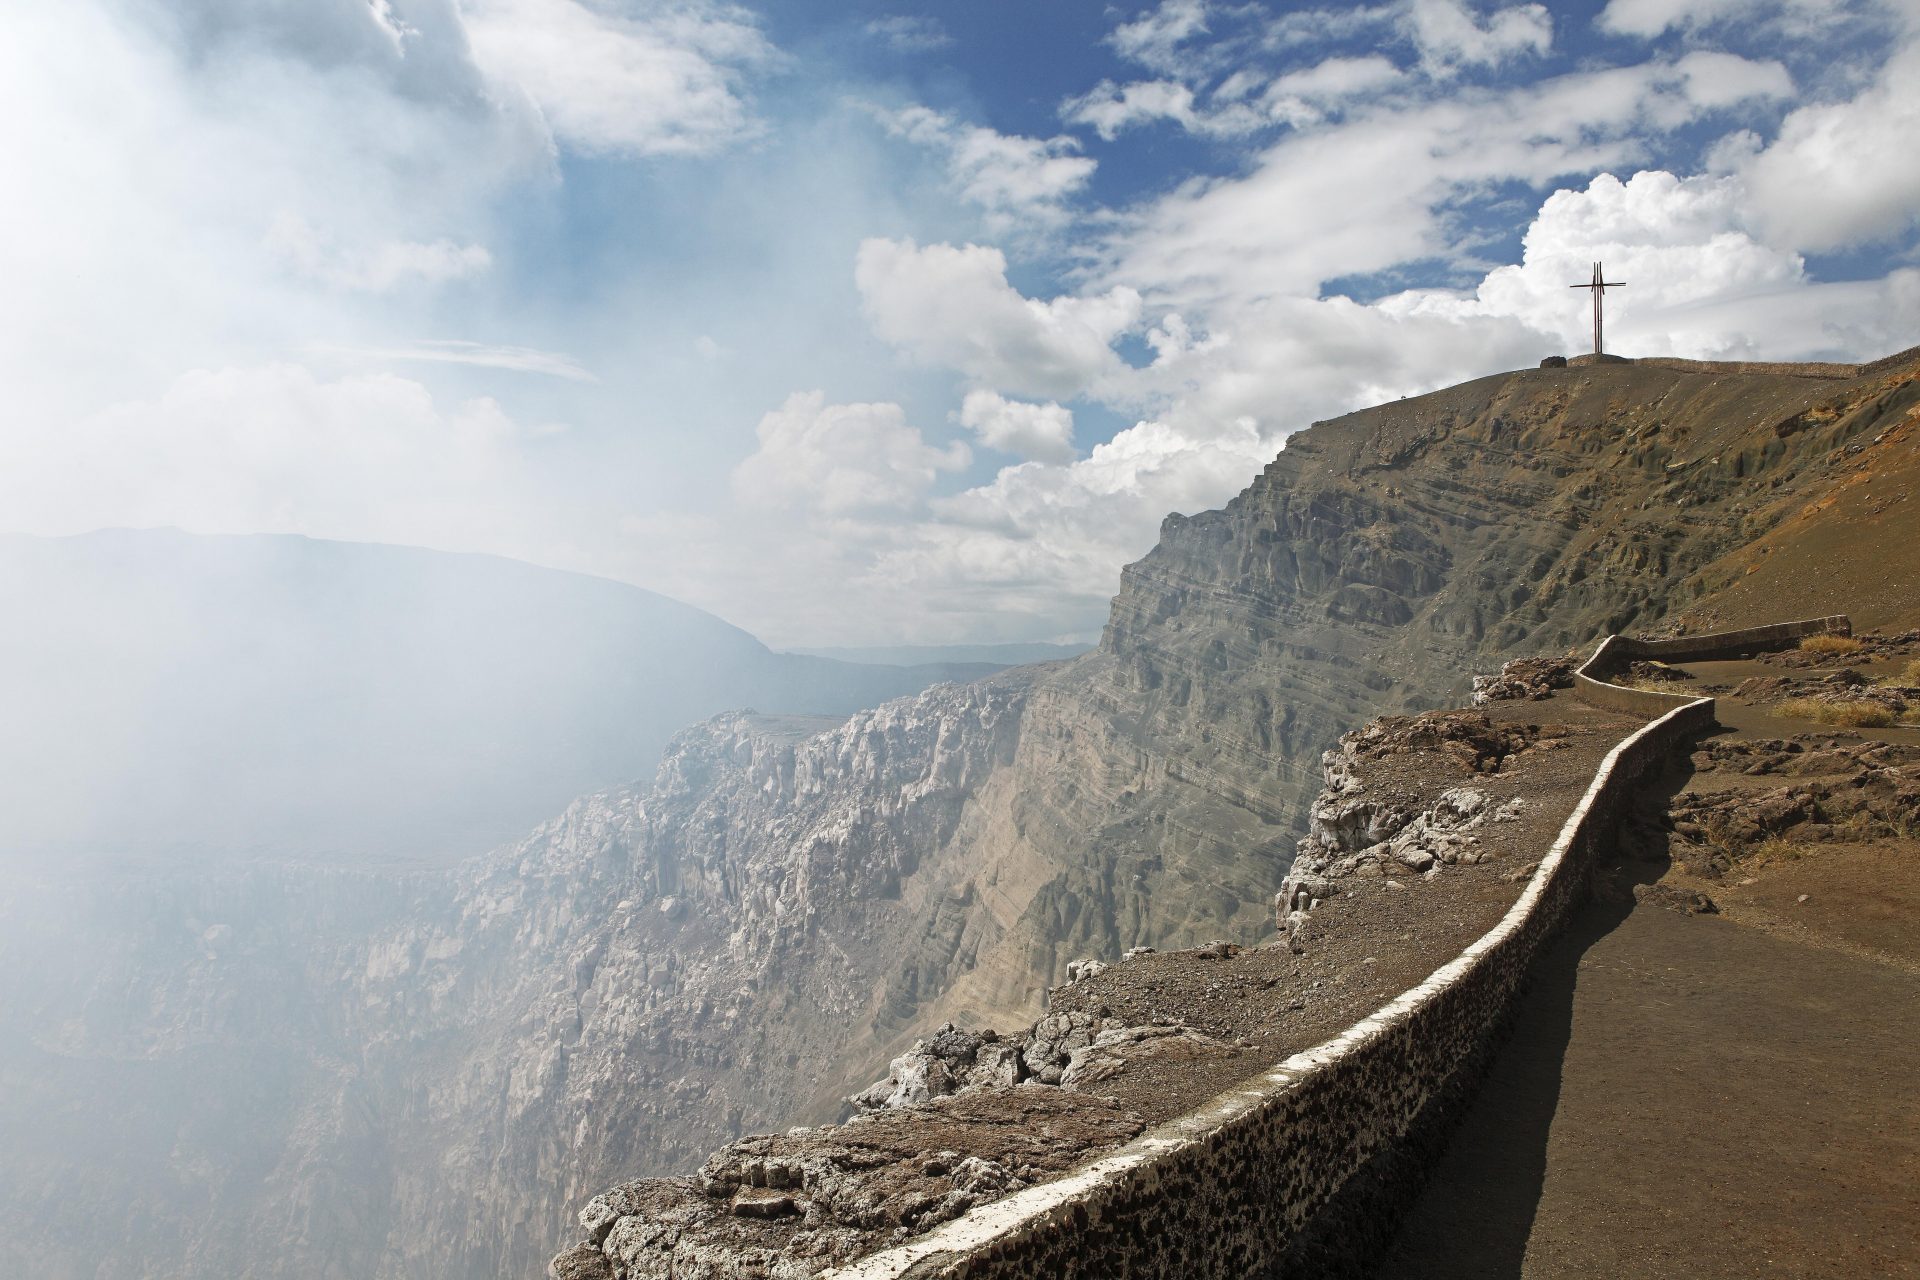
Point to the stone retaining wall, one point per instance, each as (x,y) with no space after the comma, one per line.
(1615,652)
(1793,369)
(1824,370)
(1292,1173)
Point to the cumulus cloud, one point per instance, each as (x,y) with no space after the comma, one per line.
(1042,539)
(1037,550)
(1840,173)
(840,459)
(1699,284)
(953,307)
(1018,181)
(667,81)
(1678,244)
(1312,208)
(1040,432)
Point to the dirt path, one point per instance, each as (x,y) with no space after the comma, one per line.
(1687,1097)
(1721,1095)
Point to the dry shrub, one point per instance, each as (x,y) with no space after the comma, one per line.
(1829,645)
(1774,849)
(1648,684)
(1851,715)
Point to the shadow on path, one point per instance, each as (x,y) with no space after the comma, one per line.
(1476,1214)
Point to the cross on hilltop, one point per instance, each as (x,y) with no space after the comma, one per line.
(1599,285)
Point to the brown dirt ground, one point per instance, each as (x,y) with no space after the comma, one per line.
(1261,1004)
(1374,941)
(1722,1095)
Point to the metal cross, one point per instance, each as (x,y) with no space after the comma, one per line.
(1599,286)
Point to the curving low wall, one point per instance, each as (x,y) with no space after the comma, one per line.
(1615,652)
(1287,1175)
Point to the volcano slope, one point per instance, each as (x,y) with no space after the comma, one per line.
(1378,561)
(1151,792)
(750,939)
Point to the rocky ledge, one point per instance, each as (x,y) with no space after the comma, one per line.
(1421,839)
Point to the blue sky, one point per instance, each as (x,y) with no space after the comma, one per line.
(865,323)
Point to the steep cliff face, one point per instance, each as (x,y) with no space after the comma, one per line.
(418,1076)
(1379,561)
(750,939)
(1155,788)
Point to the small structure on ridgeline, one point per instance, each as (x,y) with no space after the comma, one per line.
(1599,285)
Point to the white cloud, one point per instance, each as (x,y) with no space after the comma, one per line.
(1039,432)
(1299,98)
(1450,35)
(953,307)
(1179,39)
(1312,94)
(1337,79)
(1677,244)
(909,33)
(1049,541)
(1035,551)
(1160,38)
(840,459)
(1018,181)
(277,449)
(1841,173)
(1110,109)
(1698,284)
(553,364)
(1317,26)
(1715,80)
(1649,18)
(1316,207)
(668,82)
(376,269)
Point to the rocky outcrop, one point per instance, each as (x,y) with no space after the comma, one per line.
(1830,790)
(475,1052)
(786,1206)
(1532,678)
(1360,825)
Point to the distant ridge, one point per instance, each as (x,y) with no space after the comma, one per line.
(912,655)
(1828,369)
(179,695)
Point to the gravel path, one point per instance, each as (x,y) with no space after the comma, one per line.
(1714,1095)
